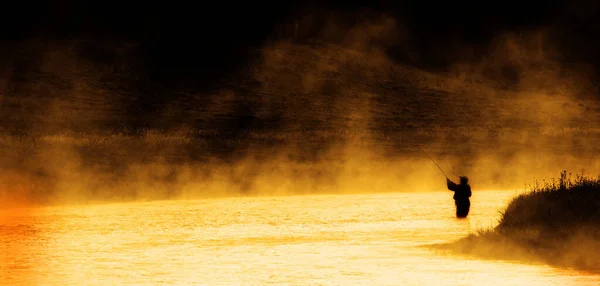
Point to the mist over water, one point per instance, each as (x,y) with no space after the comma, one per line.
(307,162)
(337,114)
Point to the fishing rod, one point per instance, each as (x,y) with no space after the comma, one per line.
(434,162)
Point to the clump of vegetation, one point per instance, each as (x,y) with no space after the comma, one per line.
(558,223)
(557,205)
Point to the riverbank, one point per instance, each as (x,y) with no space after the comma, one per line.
(557,223)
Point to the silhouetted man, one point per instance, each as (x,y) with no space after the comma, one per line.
(462,193)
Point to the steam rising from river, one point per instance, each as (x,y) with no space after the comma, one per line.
(334,116)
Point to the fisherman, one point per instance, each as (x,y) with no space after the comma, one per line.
(462,193)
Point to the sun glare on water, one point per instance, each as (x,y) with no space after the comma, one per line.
(299,240)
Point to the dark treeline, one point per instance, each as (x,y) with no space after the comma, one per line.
(170,49)
(185,39)
(211,73)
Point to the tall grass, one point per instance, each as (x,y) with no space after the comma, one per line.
(561,203)
(557,222)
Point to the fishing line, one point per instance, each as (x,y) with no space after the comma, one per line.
(434,162)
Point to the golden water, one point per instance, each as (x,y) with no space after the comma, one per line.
(373,239)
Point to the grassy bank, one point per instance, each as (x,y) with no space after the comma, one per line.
(557,223)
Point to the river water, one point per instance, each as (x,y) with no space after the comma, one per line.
(370,239)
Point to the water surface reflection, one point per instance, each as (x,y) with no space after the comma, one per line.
(308,240)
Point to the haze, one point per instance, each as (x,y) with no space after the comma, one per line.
(335,114)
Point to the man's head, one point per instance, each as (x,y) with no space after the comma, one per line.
(463,179)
